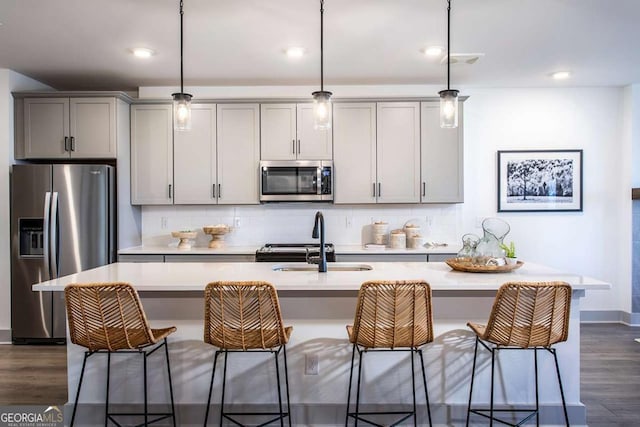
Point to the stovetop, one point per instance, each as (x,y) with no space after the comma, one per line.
(293,252)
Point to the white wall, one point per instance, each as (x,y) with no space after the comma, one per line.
(595,242)
(9,81)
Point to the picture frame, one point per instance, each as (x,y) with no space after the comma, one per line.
(540,181)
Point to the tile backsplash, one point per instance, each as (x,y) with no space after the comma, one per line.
(293,223)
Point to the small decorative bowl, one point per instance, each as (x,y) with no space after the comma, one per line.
(184,237)
(217,233)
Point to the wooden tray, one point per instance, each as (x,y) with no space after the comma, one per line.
(473,268)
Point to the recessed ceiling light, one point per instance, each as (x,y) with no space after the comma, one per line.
(142,52)
(561,75)
(295,52)
(433,51)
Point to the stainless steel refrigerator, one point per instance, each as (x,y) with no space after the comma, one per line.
(62,222)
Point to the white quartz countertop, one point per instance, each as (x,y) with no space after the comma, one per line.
(251,250)
(195,276)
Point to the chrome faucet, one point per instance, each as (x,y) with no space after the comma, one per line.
(318,231)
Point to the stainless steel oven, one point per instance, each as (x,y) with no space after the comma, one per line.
(296,181)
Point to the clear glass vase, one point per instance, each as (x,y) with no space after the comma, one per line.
(469,244)
(488,250)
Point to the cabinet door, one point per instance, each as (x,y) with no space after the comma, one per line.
(151,155)
(398,147)
(194,158)
(238,153)
(354,133)
(46,125)
(278,132)
(92,128)
(312,144)
(442,158)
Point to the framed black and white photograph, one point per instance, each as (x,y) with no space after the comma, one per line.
(540,181)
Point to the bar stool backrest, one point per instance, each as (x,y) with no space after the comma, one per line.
(106,316)
(392,314)
(530,314)
(243,315)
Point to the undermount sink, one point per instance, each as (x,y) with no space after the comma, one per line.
(314,267)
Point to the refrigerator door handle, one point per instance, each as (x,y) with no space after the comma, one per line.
(54,235)
(45,234)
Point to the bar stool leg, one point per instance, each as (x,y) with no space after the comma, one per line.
(413,385)
(173,407)
(493,359)
(224,382)
(353,355)
(146,409)
(75,405)
(473,373)
(213,373)
(286,380)
(426,390)
(564,403)
(275,354)
(535,363)
(106,405)
(360,357)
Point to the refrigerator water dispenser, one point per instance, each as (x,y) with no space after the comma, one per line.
(31,237)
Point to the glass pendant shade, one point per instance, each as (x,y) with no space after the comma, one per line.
(321,110)
(448,108)
(181,111)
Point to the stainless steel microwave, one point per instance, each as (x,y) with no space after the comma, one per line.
(296,181)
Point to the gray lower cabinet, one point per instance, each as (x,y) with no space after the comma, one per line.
(140,258)
(440,257)
(211,258)
(381,257)
(187,258)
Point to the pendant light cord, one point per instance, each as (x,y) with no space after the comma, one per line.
(321,46)
(181,48)
(448,43)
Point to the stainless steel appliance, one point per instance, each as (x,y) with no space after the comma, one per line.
(62,222)
(293,252)
(296,181)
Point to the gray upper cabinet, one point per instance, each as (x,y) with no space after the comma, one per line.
(442,171)
(287,133)
(59,128)
(152,154)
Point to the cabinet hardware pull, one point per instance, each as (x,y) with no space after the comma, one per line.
(424,189)
(66,143)
(73,143)
(169,190)
(379,190)
(298,146)
(213,191)
(219,191)
(373,194)
(293,145)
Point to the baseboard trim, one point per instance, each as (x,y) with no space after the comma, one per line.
(188,415)
(610,316)
(5,336)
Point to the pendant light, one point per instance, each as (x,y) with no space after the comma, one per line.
(448,97)
(181,100)
(321,98)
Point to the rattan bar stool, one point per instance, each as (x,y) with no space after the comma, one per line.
(391,316)
(245,317)
(525,316)
(107,318)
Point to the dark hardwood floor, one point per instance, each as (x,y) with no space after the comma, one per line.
(33,375)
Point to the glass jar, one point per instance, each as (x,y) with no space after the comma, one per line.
(469,244)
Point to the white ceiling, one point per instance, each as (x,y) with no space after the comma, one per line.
(83,44)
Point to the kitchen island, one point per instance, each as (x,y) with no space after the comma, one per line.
(318,306)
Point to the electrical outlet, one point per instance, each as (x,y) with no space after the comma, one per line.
(236,222)
(348,221)
(164,222)
(311,364)
(429,221)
